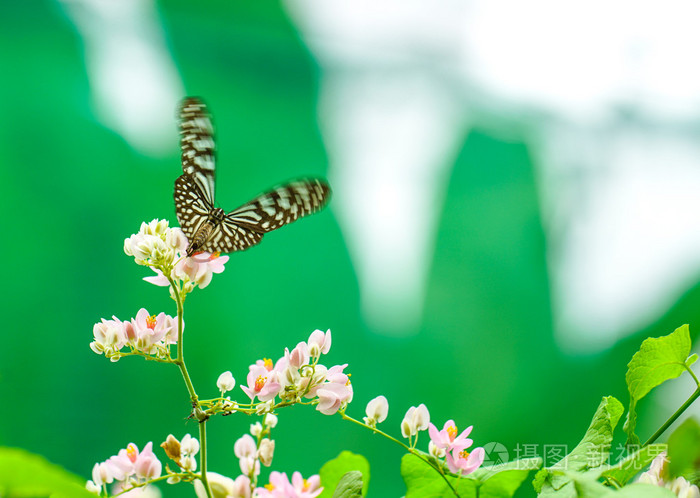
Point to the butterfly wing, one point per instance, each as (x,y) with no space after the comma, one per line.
(191,206)
(281,205)
(229,237)
(197,145)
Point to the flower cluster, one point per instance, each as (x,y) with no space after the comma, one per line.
(127,468)
(298,374)
(253,450)
(447,444)
(145,334)
(655,475)
(163,249)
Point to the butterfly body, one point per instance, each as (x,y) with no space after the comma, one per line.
(211,229)
(205,230)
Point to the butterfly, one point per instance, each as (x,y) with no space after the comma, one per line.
(211,229)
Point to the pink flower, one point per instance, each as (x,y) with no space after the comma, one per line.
(148,330)
(130,461)
(299,355)
(147,466)
(160,280)
(335,392)
(241,487)
(463,462)
(306,488)
(199,267)
(280,487)
(447,439)
(262,383)
(319,342)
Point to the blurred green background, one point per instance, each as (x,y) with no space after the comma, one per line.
(484,352)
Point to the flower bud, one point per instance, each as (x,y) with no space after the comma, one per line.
(172,448)
(266,451)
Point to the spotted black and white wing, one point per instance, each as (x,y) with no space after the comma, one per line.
(197,145)
(282,205)
(191,206)
(229,237)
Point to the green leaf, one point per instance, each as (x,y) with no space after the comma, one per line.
(498,481)
(585,485)
(626,469)
(684,449)
(504,480)
(350,485)
(593,450)
(587,488)
(333,472)
(26,474)
(642,490)
(658,360)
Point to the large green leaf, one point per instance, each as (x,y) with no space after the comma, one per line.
(350,485)
(684,449)
(626,469)
(658,360)
(334,471)
(25,474)
(592,452)
(498,481)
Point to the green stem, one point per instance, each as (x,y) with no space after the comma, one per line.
(197,410)
(408,448)
(203,455)
(673,417)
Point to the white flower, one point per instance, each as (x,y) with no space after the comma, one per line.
(416,419)
(188,463)
(110,337)
(270,420)
(680,486)
(102,473)
(189,446)
(265,407)
(256,429)
(221,486)
(377,410)
(435,451)
(225,382)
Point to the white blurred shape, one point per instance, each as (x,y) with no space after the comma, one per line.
(391,133)
(631,248)
(134,82)
(610,95)
(388,156)
(581,60)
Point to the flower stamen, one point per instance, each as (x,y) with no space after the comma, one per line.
(260,382)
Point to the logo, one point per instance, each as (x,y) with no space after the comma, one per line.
(496,453)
